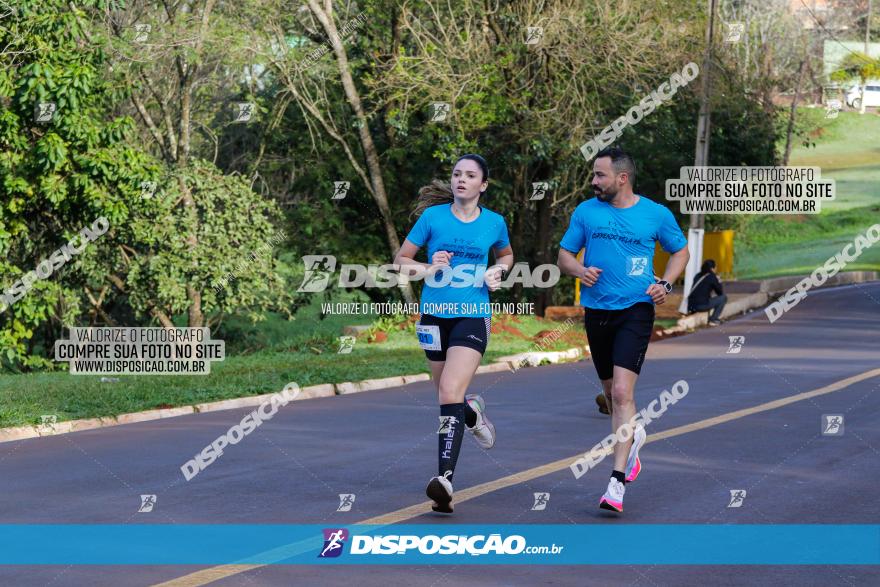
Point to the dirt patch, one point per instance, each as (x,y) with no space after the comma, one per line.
(502,325)
(507,329)
(569,338)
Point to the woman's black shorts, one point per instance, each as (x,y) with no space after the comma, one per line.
(468,332)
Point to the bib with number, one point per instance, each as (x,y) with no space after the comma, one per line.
(429,337)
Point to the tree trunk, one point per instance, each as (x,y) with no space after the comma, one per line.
(792,112)
(369,147)
(543,252)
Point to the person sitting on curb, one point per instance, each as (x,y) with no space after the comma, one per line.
(699,299)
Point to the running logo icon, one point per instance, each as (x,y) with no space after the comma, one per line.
(539,189)
(245,111)
(737,496)
(832,424)
(346,345)
(44,111)
(318,270)
(736,344)
(142,32)
(447,423)
(832,108)
(147,503)
(439,111)
(334,540)
(148,188)
(340,189)
(541,500)
(636,265)
(534,35)
(734,32)
(346,500)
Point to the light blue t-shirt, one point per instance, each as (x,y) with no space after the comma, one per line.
(469,242)
(620,241)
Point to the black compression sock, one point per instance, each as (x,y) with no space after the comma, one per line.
(619,476)
(470,416)
(450,433)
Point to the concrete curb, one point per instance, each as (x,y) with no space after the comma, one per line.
(314,391)
(769,290)
(534,358)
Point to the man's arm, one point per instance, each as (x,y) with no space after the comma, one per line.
(569,265)
(676,264)
(674,267)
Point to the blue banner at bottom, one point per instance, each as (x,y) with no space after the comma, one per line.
(415,544)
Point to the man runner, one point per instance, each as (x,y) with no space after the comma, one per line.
(619,229)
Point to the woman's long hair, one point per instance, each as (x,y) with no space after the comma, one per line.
(435,193)
(440,192)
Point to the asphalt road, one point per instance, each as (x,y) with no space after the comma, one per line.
(381,446)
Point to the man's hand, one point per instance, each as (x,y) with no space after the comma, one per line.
(590,276)
(657,293)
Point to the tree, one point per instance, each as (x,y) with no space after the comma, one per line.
(299,79)
(63,163)
(83,161)
(524,91)
(859,68)
(183,64)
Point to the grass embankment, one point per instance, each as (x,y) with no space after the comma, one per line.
(848,151)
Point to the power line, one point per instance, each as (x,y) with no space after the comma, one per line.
(833,38)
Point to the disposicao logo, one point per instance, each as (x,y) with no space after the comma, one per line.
(334,539)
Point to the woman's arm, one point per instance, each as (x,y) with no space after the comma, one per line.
(410,268)
(503,262)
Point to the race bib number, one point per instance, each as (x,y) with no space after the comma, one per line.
(429,337)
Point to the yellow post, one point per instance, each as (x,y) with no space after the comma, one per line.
(577,282)
(716,245)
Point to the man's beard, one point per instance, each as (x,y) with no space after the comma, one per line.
(604,196)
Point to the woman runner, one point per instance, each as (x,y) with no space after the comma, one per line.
(455,313)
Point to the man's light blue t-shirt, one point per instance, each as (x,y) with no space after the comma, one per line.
(620,241)
(469,242)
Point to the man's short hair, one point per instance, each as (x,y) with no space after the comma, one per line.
(621,161)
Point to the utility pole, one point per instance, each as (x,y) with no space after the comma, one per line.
(701,158)
(867,41)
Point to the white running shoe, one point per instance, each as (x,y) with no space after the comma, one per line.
(613,498)
(440,490)
(483,430)
(633,463)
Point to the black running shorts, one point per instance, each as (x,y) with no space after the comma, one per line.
(619,337)
(468,332)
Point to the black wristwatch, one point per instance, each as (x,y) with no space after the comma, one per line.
(666,285)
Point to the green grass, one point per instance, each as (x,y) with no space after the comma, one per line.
(303,350)
(848,151)
(802,258)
